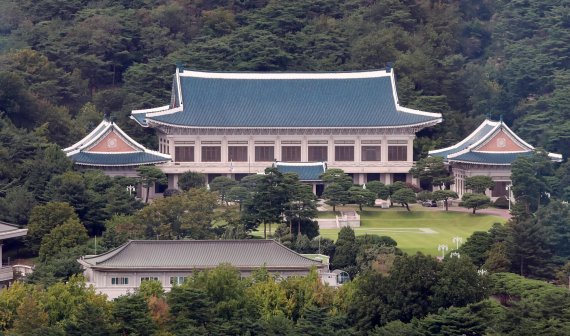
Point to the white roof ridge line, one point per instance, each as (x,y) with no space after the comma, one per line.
(486,137)
(284,75)
(466,139)
(90,134)
(153,109)
(95,139)
(299,164)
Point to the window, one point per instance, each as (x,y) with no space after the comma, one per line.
(211,154)
(264,153)
(119,281)
(237,153)
(344,153)
(149,279)
(291,153)
(318,153)
(370,153)
(397,153)
(177,280)
(184,153)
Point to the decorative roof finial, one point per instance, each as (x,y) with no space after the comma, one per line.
(107,116)
(489,115)
(501,118)
(389,66)
(180,66)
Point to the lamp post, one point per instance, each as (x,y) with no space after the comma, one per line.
(457,241)
(442,248)
(130,189)
(482,271)
(455,254)
(508,188)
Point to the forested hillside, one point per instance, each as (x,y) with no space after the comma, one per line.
(466,59)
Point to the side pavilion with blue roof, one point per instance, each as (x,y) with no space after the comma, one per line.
(489,150)
(111,150)
(235,124)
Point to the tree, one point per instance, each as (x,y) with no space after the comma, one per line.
(431,171)
(335,194)
(190,180)
(498,258)
(477,247)
(404,196)
(458,284)
(222,185)
(474,201)
(237,194)
(149,175)
(379,188)
(132,314)
(188,215)
(361,196)
(531,254)
(67,235)
(46,217)
(337,176)
(479,184)
(528,176)
(345,252)
(445,196)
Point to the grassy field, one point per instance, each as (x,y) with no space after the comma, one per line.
(419,230)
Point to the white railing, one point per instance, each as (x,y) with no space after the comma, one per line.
(6,273)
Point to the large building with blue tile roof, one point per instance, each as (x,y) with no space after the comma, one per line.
(489,150)
(235,124)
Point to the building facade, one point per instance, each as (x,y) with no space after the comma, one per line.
(8,231)
(171,262)
(489,150)
(235,124)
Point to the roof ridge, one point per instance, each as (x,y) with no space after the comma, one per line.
(112,252)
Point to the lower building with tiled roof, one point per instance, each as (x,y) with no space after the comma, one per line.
(8,231)
(121,270)
(489,150)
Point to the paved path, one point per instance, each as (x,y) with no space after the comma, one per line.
(504,213)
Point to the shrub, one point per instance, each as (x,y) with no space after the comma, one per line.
(501,203)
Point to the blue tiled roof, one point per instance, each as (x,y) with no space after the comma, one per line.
(483,132)
(489,158)
(139,117)
(306,173)
(123,159)
(338,102)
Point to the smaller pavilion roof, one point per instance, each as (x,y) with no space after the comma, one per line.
(108,145)
(198,254)
(493,142)
(8,230)
(307,171)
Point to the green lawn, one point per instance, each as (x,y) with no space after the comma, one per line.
(419,230)
(405,227)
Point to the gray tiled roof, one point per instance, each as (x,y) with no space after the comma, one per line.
(322,102)
(489,158)
(309,172)
(199,254)
(5,227)
(111,159)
